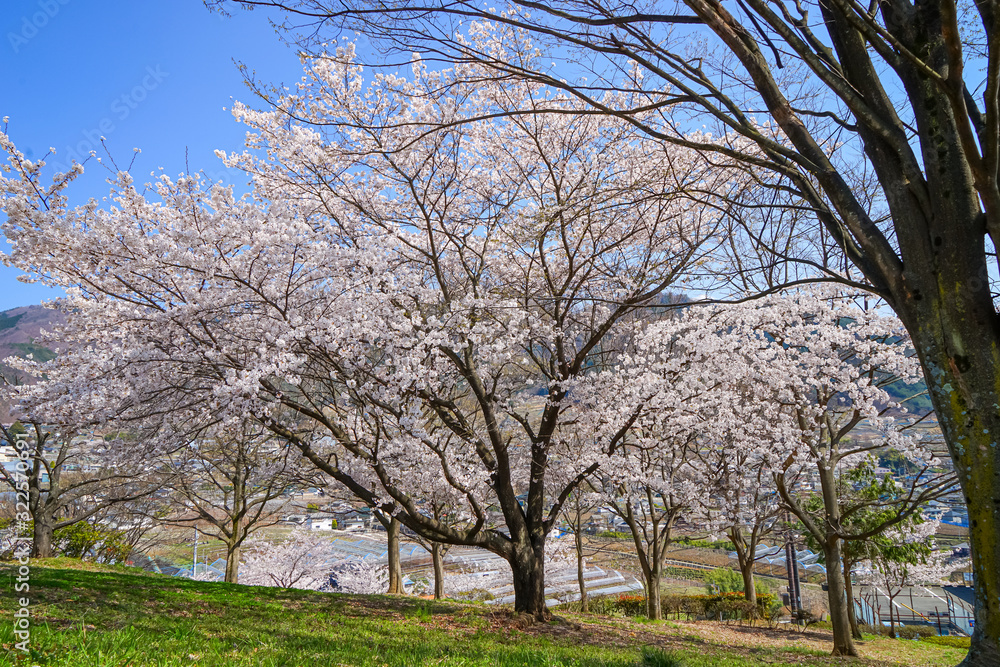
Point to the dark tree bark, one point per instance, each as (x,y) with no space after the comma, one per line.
(843,638)
(233,564)
(528,568)
(42,532)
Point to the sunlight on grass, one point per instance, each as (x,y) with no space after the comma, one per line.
(114,617)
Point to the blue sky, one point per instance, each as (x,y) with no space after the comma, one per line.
(158,75)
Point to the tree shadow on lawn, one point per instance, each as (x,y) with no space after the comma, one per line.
(351,629)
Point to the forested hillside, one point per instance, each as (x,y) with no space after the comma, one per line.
(20,330)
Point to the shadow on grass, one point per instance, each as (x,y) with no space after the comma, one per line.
(97,618)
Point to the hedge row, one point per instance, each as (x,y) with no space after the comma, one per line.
(902,631)
(957,642)
(723,606)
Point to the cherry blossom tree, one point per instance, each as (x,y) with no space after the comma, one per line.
(648,492)
(233,484)
(741,499)
(901,558)
(307,560)
(70,478)
(662,383)
(782,387)
(360,577)
(304,559)
(393,291)
(827,365)
(879,119)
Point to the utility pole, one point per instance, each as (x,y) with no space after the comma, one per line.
(789,572)
(792,570)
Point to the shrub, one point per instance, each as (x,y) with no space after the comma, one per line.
(955,642)
(673,604)
(915,631)
(731,606)
(657,657)
(902,631)
(83,539)
(727,606)
(604,605)
(631,605)
(773,615)
(724,580)
(705,544)
(882,630)
(615,535)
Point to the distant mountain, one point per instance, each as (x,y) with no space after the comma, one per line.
(19,334)
(913,397)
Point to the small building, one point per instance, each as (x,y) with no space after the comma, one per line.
(320,522)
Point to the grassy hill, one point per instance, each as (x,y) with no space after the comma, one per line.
(95,616)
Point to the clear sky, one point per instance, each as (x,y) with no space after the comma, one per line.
(158,75)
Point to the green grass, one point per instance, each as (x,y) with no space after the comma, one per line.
(957,642)
(96,616)
(657,657)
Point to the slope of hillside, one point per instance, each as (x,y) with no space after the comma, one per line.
(100,616)
(20,330)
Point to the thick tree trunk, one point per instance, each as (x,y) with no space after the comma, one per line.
(654,610)
(395,569)
(745,551)
(41,546)
(964,381)
(749,587)
(528,568)
(233,565)
(852,615)
(843,641)
(937,269)
(438,561)
(233,551)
